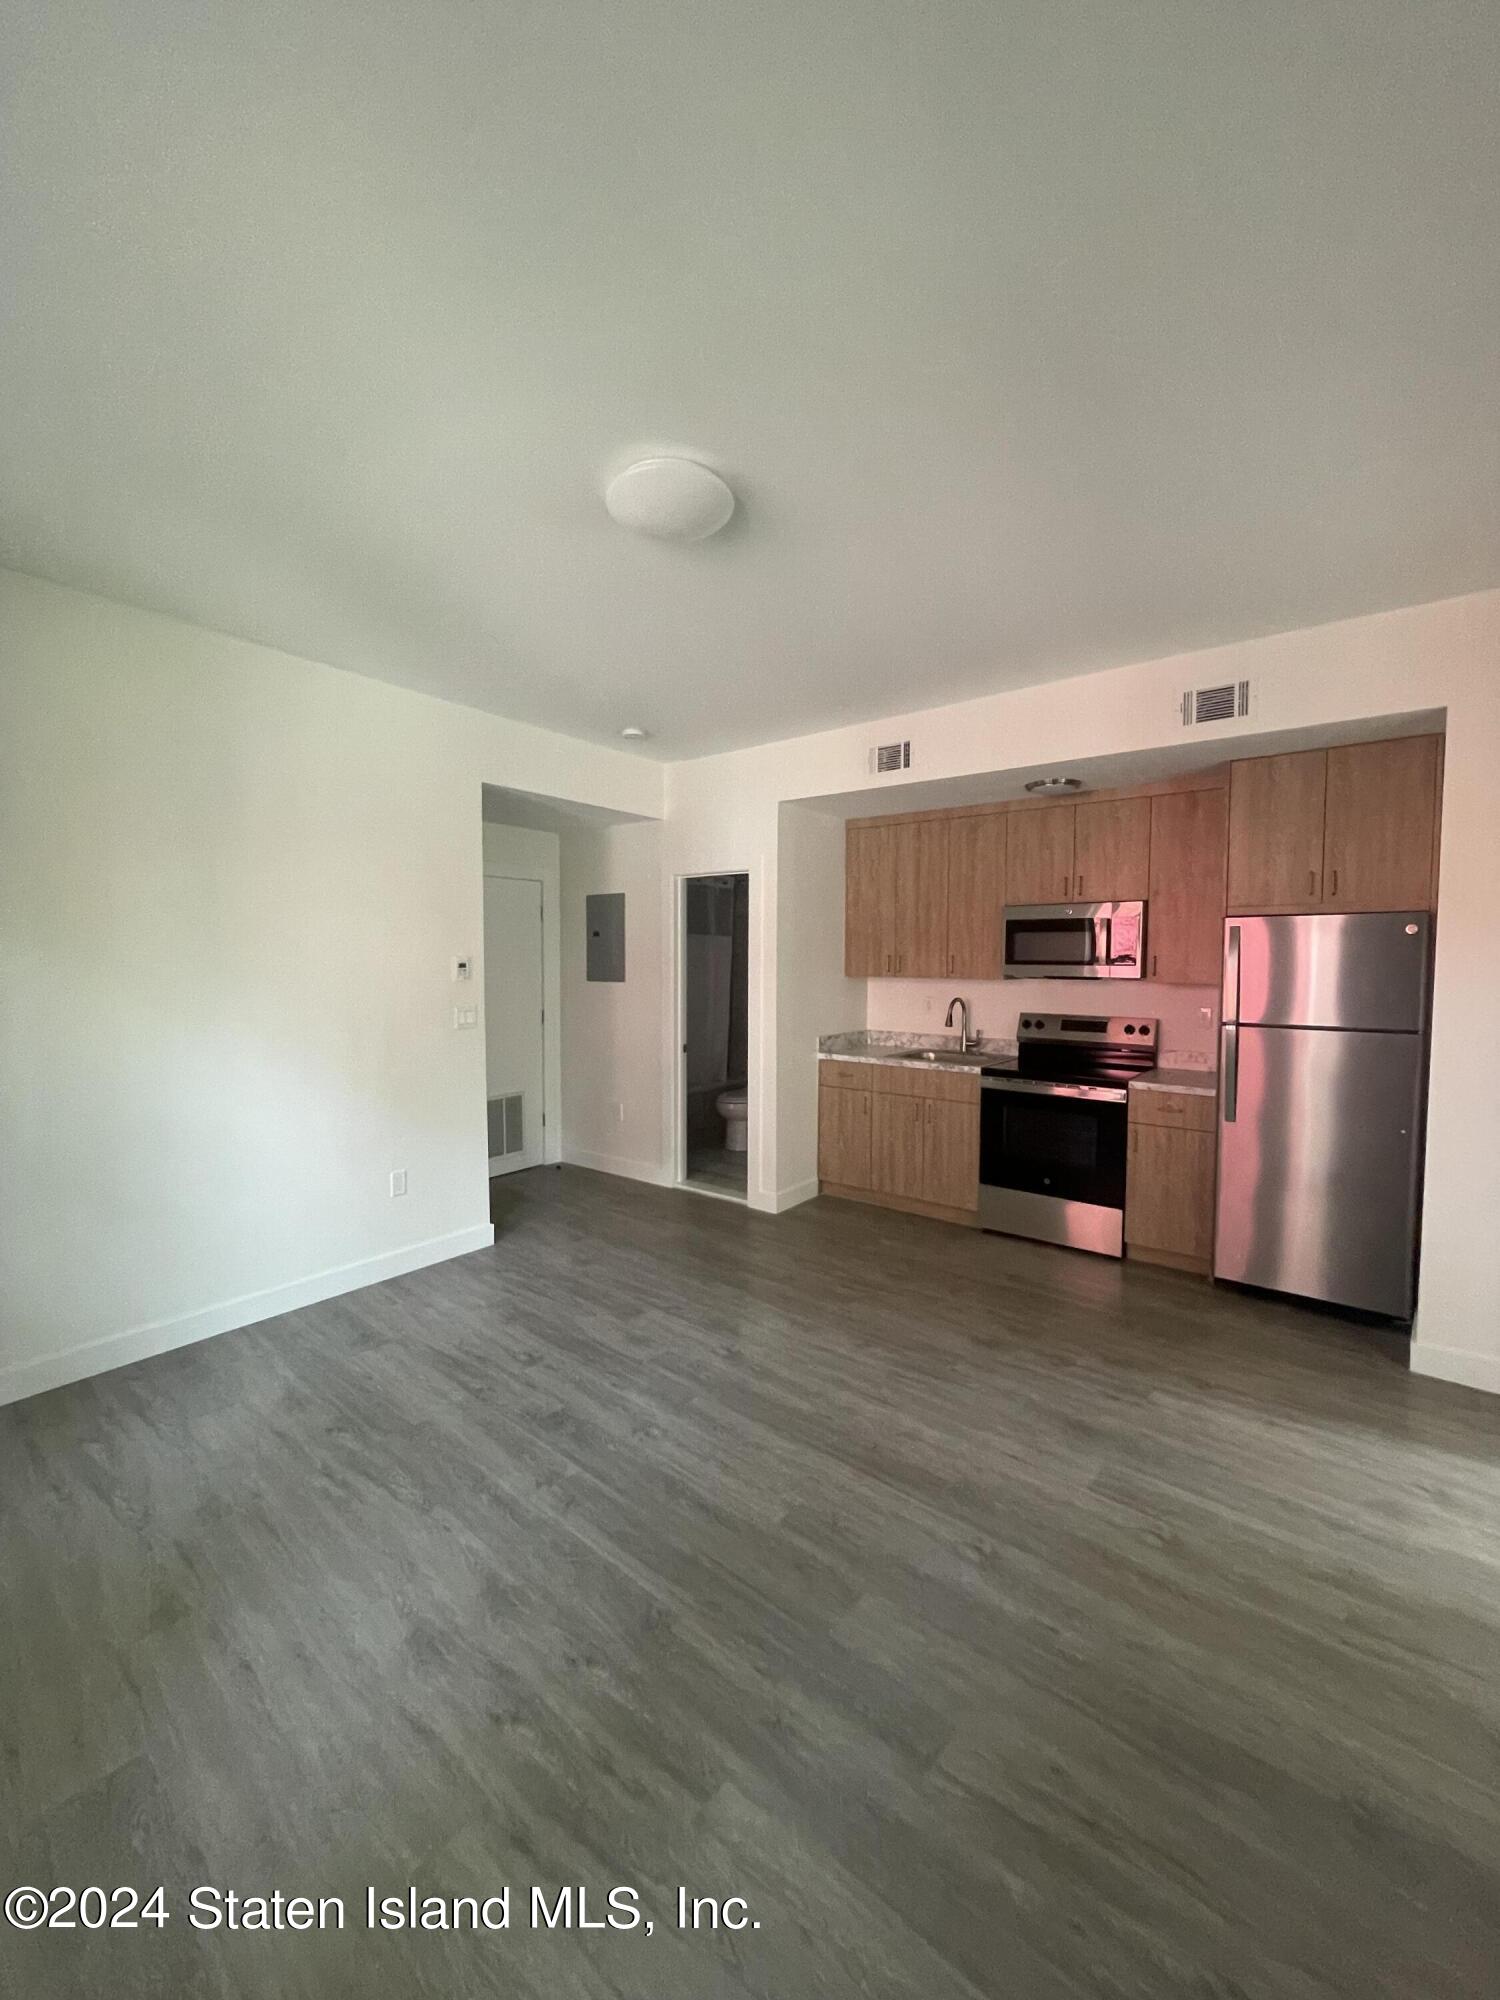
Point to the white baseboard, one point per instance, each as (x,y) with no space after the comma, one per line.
(792,1197)
(139,1343)
(616,1163)
(1465,1365)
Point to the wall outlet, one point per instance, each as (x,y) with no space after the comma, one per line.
(398,1181)
(466,1017)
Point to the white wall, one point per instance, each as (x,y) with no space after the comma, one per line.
(232,886)
(1431,657)
(527,855)
(1188,1015)
(615,1099)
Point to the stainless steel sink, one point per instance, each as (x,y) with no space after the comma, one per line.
(967,1059)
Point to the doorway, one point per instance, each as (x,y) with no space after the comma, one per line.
(715,1046)
(514,1023)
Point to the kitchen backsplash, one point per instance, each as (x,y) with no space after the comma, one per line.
(1189,1015)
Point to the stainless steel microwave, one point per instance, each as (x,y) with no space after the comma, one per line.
(1075,940)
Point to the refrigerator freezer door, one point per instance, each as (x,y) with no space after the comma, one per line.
(1329,972)
(1318,1166)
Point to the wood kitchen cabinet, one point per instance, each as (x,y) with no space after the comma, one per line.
(1111,851)
(1276,811)
(870,901)
(844,1136)
(1381,825)
(896,900)
(1185,901)
(908,1140)
(1353,828)
(1091,853)
(1169,1179)
(976,896)
(896,1145)
(950,1153)
(1039,855)
(921,939)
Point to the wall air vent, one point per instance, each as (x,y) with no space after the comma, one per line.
(1215,704)
(891,757)
(507,1129)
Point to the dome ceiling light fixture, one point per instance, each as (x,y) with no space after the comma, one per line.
(1048,786)
(634,733)
(675,499)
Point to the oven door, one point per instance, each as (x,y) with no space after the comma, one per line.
(1075,941)
(1052,1163)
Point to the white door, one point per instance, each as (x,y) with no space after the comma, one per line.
(513,1021)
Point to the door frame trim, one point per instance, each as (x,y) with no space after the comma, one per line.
(677,1151)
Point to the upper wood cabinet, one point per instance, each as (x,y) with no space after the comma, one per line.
(1111,851)
(1354,828)
(1185,904)
(1381,825)
(896,900)
(976,896)
(1348,829)
(870,901)
(1091,853)
(921,940)
(1276,831)
(1039,855)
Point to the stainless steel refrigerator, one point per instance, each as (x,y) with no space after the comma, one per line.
(1321,1105)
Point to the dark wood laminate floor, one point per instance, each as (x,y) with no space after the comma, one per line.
(995,1620)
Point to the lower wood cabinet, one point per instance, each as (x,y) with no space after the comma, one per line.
(844,1137)
(950,1154)
(910,1138)
(1169,1179)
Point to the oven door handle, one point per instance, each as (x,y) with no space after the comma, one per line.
(1090,1093)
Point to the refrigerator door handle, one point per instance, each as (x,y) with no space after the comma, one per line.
(1231,1009)
(1231,1070)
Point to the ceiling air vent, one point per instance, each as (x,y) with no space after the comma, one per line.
(1215,704)
(892,757)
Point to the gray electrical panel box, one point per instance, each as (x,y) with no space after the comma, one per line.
(606,922)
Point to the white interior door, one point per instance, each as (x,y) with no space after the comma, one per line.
(513,1030)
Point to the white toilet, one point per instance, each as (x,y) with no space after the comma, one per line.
(733,1106)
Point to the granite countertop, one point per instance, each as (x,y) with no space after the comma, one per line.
(1196,1082)
(885,1045)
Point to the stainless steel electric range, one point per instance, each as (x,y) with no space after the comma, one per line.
(1053,1127)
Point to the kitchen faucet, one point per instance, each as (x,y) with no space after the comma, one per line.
(965,1036)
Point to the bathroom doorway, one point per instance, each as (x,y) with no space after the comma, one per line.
(715,1044)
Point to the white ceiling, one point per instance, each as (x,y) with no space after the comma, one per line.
(1034,335)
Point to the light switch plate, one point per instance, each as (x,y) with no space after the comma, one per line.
(466,1017)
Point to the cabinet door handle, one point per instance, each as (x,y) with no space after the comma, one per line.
(1153,965)
(950,961)
(1066,880)
(1312,881)
(1335,889)
(887,961)
(1080,887)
